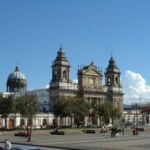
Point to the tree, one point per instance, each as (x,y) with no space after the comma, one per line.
(6,106)
(93,112)
(59,108)
(81,109)
(115,114)
(27,105)
(107,111)
(70,107)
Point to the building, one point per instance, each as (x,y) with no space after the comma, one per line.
(90,85)
(90,82)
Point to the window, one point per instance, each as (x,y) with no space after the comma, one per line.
(64,75)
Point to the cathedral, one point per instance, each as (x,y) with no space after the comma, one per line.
(92,85)
(90,82)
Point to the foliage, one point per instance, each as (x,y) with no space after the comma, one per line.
(107,111)
(59,107)
(70,106)
(27,105)
(80,107)
(6,106)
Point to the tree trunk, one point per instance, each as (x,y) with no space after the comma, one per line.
(71,121)
(5,123)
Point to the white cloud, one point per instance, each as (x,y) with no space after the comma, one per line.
(135,88)
(75,81)
(47,86)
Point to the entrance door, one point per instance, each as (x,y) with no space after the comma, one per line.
(11,124)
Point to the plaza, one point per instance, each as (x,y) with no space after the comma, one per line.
(77,140)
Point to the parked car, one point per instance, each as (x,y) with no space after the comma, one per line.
(23,134)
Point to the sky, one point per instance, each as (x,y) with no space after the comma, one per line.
(32,31)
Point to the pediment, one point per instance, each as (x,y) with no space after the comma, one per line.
(92,72)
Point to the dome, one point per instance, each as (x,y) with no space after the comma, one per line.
(16,81)
(16,75)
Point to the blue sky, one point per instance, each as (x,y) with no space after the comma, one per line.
(31,32)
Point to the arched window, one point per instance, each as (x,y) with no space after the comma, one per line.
(64,75)
(44,109)
(55,75)
(109,81)
(117,81)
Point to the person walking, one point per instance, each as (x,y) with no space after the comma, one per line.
(134,131)
(28,133)
(123,130)
(7,145)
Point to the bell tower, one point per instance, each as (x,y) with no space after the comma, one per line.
(60,68)
(112,74)
(112,82)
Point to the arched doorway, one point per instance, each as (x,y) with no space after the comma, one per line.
(11,124)
(44,122)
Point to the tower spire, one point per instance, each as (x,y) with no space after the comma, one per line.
(60,45)
(112,74)
(17,68)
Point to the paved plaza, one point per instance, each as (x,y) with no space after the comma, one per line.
(83,141)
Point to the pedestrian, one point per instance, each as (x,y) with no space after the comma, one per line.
(134,131)
(113,132)
(7,145)
(29,130)
(123,130)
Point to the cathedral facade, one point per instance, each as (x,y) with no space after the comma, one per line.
(90,82)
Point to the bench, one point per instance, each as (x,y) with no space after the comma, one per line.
(89,131)
(140,129)
(22,134)
(58,132)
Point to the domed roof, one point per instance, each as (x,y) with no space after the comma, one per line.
(16,81)
(16,75)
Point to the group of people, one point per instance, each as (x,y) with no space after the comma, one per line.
(104,129)
(114,131)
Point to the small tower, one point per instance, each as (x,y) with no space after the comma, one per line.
(112,74)
(16,81)
(60,68)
